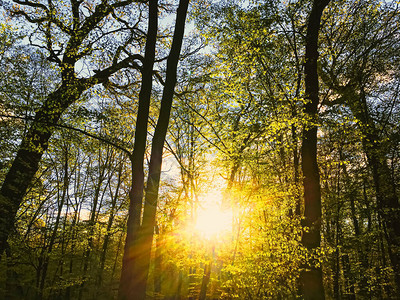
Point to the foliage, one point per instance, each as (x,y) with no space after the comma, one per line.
(233,143)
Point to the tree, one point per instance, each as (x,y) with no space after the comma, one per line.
(311,276)
(236,118)
(80,35)
(139,238)
(355,75)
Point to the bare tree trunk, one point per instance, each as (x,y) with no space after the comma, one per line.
(93,218)
(140,245)
(109,226)
(130,282)
(311,284)
(46,257)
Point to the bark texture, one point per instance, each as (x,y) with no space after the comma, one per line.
(132,284)
(139,239)
(311,284)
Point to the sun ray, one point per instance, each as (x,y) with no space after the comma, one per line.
(212,220)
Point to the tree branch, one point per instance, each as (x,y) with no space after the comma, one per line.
(91,135)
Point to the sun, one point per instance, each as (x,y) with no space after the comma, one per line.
(212,220)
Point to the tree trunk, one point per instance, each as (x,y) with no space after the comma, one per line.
(32,147)
(138,246)
(363,257)
(388,208)
(384,183)
(348,280)
(296,175)
(109,226)
(158,263)
(93,219)
(130,283)
(205,281)
(311,284)
(35,142)
(13,288)
(46,258)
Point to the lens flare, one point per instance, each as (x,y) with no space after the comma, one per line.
(211,219)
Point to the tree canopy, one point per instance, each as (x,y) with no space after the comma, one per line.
(156,149)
